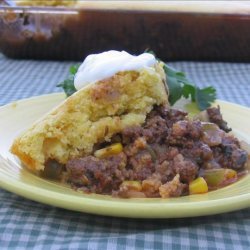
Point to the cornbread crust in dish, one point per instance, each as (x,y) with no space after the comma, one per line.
(90,116)
(45,2)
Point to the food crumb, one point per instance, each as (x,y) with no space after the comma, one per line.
(14,105)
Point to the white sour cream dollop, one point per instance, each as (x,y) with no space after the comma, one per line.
(98,67)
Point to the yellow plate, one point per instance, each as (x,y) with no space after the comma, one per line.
(17,116)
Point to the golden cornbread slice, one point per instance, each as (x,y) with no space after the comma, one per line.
(91,115)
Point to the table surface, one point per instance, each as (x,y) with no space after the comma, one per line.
(25,224)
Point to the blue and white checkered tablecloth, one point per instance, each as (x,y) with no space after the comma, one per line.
(25,224)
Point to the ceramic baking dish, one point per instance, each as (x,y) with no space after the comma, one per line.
(182,30)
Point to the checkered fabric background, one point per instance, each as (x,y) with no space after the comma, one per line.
(26,224)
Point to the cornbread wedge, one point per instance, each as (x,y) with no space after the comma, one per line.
(92,115)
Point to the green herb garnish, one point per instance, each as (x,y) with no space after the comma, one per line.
(68,84)
(178,84)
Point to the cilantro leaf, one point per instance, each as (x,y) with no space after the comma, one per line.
(68,87)
(189,90)
(73,69)
(205,97)
(175,90)
(68,84)
(179,86)
(174,82)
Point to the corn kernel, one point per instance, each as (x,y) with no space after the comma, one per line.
(113,149)
(198,186)
(230,173)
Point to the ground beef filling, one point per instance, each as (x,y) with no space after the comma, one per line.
(160,158)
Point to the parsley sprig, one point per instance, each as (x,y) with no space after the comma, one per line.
(178,84)
(68,84)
